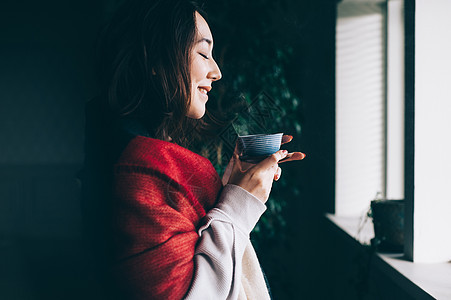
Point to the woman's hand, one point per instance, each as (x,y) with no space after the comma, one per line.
(293,155)
(257,179)
(290,157)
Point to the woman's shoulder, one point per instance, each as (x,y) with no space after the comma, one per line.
(163,157)
(152,159)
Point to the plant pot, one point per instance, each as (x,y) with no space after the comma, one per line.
(388,222)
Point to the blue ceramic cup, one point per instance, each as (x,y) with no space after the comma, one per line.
(256,147)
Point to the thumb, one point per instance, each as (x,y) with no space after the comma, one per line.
(236,163)
(235,170)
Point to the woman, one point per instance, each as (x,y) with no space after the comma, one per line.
(161,220)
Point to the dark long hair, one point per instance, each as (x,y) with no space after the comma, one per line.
(145,65)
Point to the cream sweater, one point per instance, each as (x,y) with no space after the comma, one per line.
(226,266)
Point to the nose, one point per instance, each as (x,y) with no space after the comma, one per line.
(215,72)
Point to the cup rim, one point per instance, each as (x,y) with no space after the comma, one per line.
(259,134)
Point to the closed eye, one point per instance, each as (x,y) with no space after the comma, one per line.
(203,55)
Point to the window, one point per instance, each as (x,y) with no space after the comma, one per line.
(369,108)
(393,69)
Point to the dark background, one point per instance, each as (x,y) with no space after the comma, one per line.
(46,76)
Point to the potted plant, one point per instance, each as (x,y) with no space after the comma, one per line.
(388,222)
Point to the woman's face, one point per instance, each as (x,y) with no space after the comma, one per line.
(203,69)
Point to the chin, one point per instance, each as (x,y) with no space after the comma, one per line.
(199,116)
(197,110)
(196,115)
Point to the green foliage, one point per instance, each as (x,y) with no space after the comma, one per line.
(254,50)
(253,53)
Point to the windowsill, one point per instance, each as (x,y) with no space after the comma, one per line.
(422,281)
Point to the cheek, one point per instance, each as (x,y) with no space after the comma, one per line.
(199,70)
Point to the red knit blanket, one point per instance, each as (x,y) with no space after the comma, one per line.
(162,191)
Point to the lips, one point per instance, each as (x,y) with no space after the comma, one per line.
(204,89)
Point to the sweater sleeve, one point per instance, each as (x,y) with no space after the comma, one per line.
(222,242)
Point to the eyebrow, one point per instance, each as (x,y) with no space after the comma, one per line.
(209,42)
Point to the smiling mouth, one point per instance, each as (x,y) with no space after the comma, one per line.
(204,90)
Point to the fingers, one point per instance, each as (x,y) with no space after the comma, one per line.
(276,157)
(236,163)
(235,151)
(278,173)
(235,172)
(293,156)
(228,171)
(271,161)
(286,139)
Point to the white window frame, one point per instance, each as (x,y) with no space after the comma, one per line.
(427,191)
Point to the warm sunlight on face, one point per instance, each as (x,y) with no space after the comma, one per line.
(203,69)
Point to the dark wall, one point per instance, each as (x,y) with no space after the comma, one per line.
(313,77)
(45,78)
(46,75)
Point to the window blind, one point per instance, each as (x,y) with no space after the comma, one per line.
(360,106)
